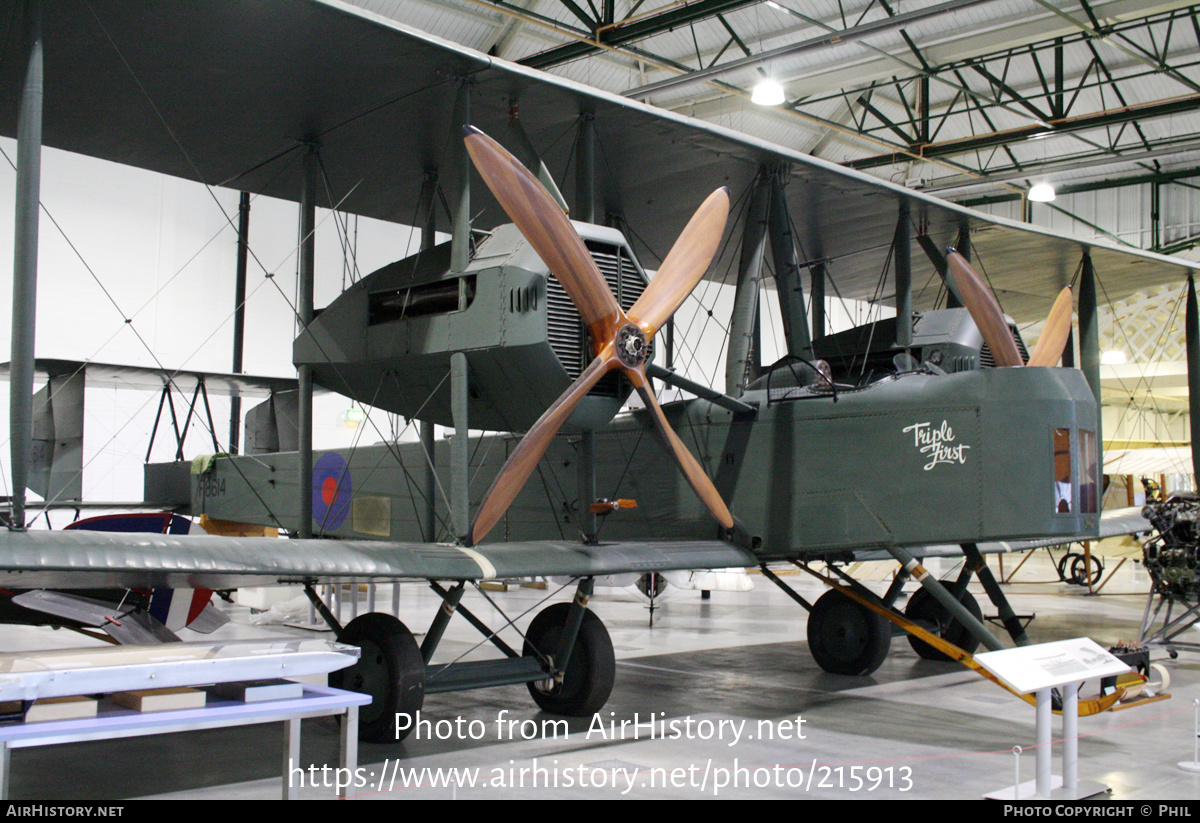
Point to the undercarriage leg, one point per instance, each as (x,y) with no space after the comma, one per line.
(893,592)
(942,595)
(574,620)
(1010,620)
(322,609)
(577,653)
(785,588)
(442,619)
(492,636)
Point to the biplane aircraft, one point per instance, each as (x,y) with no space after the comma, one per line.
(927,428)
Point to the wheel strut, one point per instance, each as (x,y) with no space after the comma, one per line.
(948,601)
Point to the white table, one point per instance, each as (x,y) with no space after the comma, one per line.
(112,723)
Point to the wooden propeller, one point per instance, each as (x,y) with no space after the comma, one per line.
(1053,339)
(621,340)
(985,311)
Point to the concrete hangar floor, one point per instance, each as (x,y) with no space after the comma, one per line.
(726,674)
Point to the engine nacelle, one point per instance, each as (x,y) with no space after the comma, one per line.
(388,339)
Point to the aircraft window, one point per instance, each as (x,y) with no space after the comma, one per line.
(466,292)
(1089,498)
(440,297)
(1063,497)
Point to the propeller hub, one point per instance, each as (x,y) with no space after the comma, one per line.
(631,345)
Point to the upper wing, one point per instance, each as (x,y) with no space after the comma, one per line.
(74,559)
(1112,524)
(230,92)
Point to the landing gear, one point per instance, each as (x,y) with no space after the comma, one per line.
(1080,569)
(924,609)
(849,627)
(591,666)
(390,669)
(846,638)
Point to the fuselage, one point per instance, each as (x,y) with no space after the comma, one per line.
(916,458)
(920,443)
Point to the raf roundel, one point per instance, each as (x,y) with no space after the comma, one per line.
(331,491)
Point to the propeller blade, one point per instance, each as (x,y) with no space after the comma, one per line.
(685,264)
(1054,335)
(985,311)
(619,342)
(549,231)
(692,469)
(533,445)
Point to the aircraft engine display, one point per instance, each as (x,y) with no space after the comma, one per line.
(1172,555)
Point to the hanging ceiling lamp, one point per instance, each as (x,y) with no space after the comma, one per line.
(767,93)
(1042,193)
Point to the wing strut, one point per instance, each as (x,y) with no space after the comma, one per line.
(24,297)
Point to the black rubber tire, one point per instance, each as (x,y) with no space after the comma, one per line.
(1079,570)
(591,670)
(390,669)
(1064,566)
(846,638)
(923,608)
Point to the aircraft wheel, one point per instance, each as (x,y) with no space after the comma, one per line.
(846,638)
(1084,573)
(591,670)
(1064,566)
(390,669)
(923,608)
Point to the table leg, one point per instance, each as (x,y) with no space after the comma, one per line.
(5,762)
(291,758)
(1070,751)
(1044,714)
(349,748)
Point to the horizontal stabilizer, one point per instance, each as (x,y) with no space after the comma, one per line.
(131,629)
(209,620)
(143,378)
(71,607)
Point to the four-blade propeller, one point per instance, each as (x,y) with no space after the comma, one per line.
(985,311)
(621,340)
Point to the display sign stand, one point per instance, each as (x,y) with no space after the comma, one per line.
(1039,670)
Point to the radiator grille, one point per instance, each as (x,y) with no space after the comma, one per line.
(987,361)
(564,328)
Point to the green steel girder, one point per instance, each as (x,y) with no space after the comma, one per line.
(1097,185)
(578,12)
(622,33)
(1075,124)
(1060,94)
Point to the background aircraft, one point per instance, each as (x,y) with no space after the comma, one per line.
(367,118)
